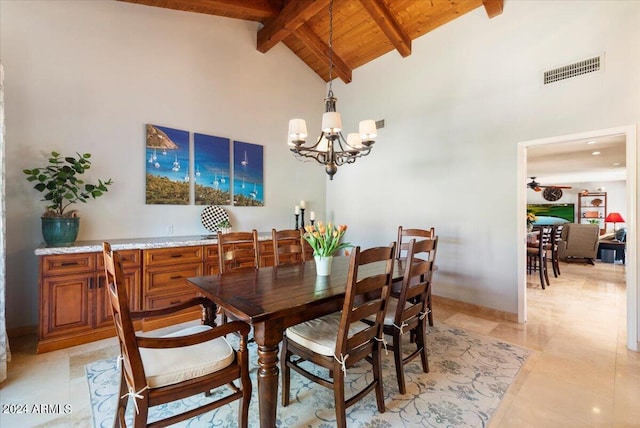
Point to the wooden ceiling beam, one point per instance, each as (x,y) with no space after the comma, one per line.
(257,10)
(321,49)
(493,7)
(292,16)
(381,13)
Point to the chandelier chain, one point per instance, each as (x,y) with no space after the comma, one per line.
(330,45)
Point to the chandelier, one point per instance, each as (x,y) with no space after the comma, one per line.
(331,149)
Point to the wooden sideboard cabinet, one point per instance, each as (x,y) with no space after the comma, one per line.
(74,307)
(74,304)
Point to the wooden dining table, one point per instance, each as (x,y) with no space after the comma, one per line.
(272,299)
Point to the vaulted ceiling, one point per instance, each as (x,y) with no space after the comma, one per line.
(363,30)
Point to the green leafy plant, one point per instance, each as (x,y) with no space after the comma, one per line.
(325,240)
(61,184)
(224,224)
(593,221)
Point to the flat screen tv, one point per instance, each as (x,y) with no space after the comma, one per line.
(550,214)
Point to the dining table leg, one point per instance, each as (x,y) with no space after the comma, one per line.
(268,337)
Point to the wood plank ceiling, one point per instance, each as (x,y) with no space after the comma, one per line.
(363,30)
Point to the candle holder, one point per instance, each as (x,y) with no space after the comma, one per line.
(297,215)
(302,218)
(312,222)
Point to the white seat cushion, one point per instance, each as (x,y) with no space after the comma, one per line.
(169,366)
(319,335)
(390,314)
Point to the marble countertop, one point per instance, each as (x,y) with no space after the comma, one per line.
(135,244)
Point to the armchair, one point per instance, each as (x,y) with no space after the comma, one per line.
(579,241)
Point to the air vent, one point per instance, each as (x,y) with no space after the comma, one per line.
(379,123)
(568,71)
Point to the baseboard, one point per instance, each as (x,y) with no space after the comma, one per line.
(472,309)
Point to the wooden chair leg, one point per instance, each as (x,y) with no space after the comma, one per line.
(119,420)
(422,342)
(338,393)
(539,262)
(377,376)
(397,356)
(286,373)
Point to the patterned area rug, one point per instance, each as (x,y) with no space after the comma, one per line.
(469,375)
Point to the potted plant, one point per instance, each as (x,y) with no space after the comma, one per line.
(224,226)
(61,185)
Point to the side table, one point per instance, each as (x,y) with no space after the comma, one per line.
(619,247)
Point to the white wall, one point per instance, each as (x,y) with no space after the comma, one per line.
(88,75)
(455,111)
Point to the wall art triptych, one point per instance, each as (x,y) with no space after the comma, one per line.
(218,178)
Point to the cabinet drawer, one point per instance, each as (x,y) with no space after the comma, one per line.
(170,256)
(166,277)
(211,252)
(60,264)
(130,259)
(164,300)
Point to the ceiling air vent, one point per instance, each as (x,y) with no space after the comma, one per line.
(572,70)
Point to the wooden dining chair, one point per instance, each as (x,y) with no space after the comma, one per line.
(162,369)
(404,236)
(238,250)
(407,311)
(288,246)
(537,254)
(338,341)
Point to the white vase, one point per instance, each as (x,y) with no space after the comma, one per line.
(323,265)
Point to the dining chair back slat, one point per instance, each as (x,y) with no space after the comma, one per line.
(238,250)
(288,246)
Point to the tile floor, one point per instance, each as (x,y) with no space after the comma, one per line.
(580,375)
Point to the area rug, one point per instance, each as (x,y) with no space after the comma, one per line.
(469,375)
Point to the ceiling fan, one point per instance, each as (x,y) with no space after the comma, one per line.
(551,193)
(534,185)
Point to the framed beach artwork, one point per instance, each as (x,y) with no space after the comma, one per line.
(248,181)
(212,170)
(167,166)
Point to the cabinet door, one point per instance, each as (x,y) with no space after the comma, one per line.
(67,302)
(211,262)
(103,303)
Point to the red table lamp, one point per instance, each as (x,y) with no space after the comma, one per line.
(614,218)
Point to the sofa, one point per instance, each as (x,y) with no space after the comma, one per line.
(579,242)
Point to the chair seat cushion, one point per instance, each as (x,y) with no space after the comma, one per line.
(168,366)
(319,335)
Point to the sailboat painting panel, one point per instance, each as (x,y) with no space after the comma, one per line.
(167,166)
(248,173)
(212,169)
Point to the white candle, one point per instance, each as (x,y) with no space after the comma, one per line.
(312,215)
(303,204)
(296,210)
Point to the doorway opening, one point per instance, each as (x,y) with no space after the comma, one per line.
(630,135)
